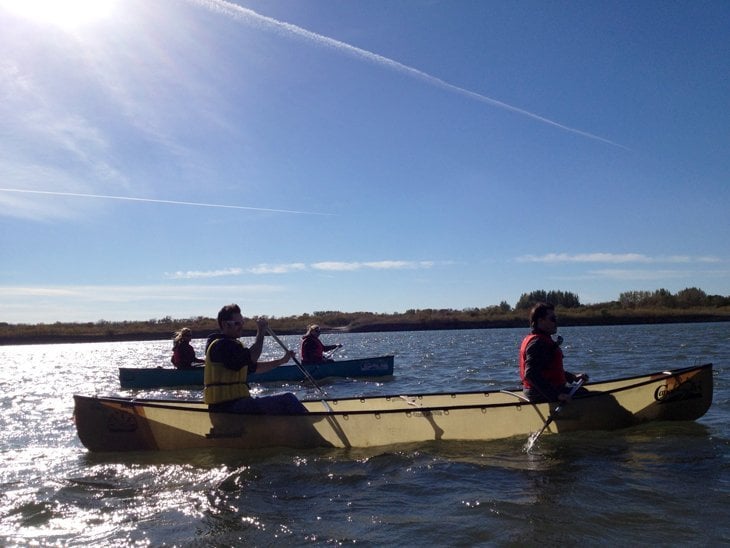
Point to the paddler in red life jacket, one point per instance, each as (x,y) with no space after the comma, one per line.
(183,354)
(541,359)
(312,349)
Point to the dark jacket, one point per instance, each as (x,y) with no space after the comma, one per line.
(230,353)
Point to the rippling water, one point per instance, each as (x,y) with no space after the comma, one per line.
(665,484)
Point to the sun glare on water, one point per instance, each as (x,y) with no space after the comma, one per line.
(67,14)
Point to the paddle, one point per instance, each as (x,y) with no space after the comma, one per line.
(332,352)
(299,365)
(533,437)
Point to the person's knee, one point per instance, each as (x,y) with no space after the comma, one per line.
(292,404)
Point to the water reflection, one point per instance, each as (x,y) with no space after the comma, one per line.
(660,483)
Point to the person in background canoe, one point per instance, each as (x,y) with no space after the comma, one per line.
(312,349)
(228,363)
(541,359)
(183,354)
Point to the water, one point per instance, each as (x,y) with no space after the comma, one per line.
(666,484)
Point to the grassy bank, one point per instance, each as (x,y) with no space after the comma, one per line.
(354,322)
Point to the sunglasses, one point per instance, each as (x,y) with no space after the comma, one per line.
(551,319)
(234,323)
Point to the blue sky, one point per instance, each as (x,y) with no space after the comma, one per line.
(165,158)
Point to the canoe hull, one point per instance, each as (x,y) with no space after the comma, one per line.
(149,377)
(123,424)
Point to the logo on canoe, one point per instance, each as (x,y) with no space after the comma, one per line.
(119,421)
(678,392)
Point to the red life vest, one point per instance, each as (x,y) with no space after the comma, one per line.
(183,356)
(554,373)
(312,350)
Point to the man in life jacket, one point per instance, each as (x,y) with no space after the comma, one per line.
(228,363)
(541,359)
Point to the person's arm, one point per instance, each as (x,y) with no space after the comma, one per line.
(538,357)
(329,347)
(231,354)
(258,345)
(263,367)
(189,355)
(574,377)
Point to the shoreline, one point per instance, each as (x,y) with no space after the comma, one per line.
(374,327)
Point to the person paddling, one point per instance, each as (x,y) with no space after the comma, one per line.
(541,360)
(228,363)
(183,354)
(312,349)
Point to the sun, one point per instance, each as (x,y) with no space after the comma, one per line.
(67,14)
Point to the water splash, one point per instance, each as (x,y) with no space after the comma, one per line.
(530,443)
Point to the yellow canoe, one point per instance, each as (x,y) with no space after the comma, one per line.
(132,424)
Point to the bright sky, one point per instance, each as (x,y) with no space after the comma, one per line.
(165,158)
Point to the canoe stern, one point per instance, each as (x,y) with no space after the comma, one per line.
(111,426)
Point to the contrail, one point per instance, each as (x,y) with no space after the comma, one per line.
(245,14)
(152,200)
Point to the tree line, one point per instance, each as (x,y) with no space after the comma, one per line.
(686,298)
(691,304)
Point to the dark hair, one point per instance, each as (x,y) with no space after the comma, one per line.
(227,312)
(539,311)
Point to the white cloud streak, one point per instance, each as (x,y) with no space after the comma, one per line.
(372,265)
(288,268)
(156,201)
(613,258)
(654,275)
(125,302)
(124,293)
(641,275)
(197,274)
(240,13)
(277,268)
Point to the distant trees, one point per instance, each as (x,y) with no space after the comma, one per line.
(565,299)
(691,297)
(686,298)
(690,304)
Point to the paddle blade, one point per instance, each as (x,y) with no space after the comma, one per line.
(533,437)
(529,444)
